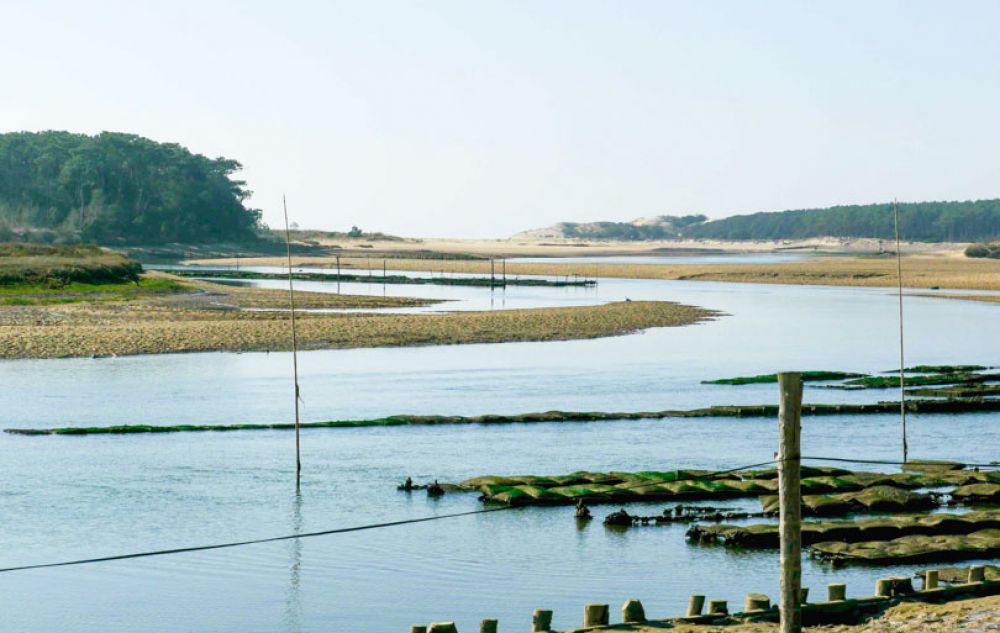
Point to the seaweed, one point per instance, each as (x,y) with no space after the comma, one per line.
(807,376)
(719,411)
(912,549)
(881,529)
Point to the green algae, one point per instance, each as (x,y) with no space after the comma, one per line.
(880,529)
(963,391)
(875,498)
(912,549)
(942,369)
(722,411)
(886,382)
(807,376)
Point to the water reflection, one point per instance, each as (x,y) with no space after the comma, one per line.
(293,599)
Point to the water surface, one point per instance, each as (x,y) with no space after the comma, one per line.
(72,497)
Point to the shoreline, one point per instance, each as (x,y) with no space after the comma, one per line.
(117,330)
(920,272)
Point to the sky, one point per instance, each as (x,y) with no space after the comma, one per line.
(482,118)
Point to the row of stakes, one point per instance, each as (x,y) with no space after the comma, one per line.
(633,612)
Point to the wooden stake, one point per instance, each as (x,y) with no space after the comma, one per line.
(295,348)
(902,361)
(790,498)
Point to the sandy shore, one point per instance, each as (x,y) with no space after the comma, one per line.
(919,271)
(214,317)
(516,247)
(978,615)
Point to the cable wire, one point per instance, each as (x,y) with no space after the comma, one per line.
(358,528)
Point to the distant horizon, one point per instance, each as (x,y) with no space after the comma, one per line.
(484,119)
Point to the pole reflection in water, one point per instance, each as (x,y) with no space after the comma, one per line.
(293,598)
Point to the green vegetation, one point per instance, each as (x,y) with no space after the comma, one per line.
(118,188)
(724,411)
(985,492)
(875,497)
(847,491)
(53,267)
(960,221)
(967,391)
(75,292)
(885,382)
(969,376)
(967,221)
(664,227)
(991,250)
(807,376)
(942,369)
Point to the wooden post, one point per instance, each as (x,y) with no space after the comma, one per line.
(931,579)
(493,277)
(835,592)
(695,605)
(633,612)
(790,499)
(883,587)
(902,356)
(504,267)
(595,615)
(977,573)
(541,621)
(718,607)
(756,602)
(295,348)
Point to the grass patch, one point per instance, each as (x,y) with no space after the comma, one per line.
(79,292)
(58,266)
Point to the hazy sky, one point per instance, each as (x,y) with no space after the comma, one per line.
(477,118)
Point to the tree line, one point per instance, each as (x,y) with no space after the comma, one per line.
(969,221)
(119,188)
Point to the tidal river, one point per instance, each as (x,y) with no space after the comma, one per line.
(64,498)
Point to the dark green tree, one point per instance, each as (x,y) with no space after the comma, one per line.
(116,187)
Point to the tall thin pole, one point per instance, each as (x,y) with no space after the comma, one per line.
(790,500)
(295,348)
(902,356)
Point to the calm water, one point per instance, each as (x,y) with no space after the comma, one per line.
(65,498)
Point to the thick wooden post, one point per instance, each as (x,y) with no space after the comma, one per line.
(790,497)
